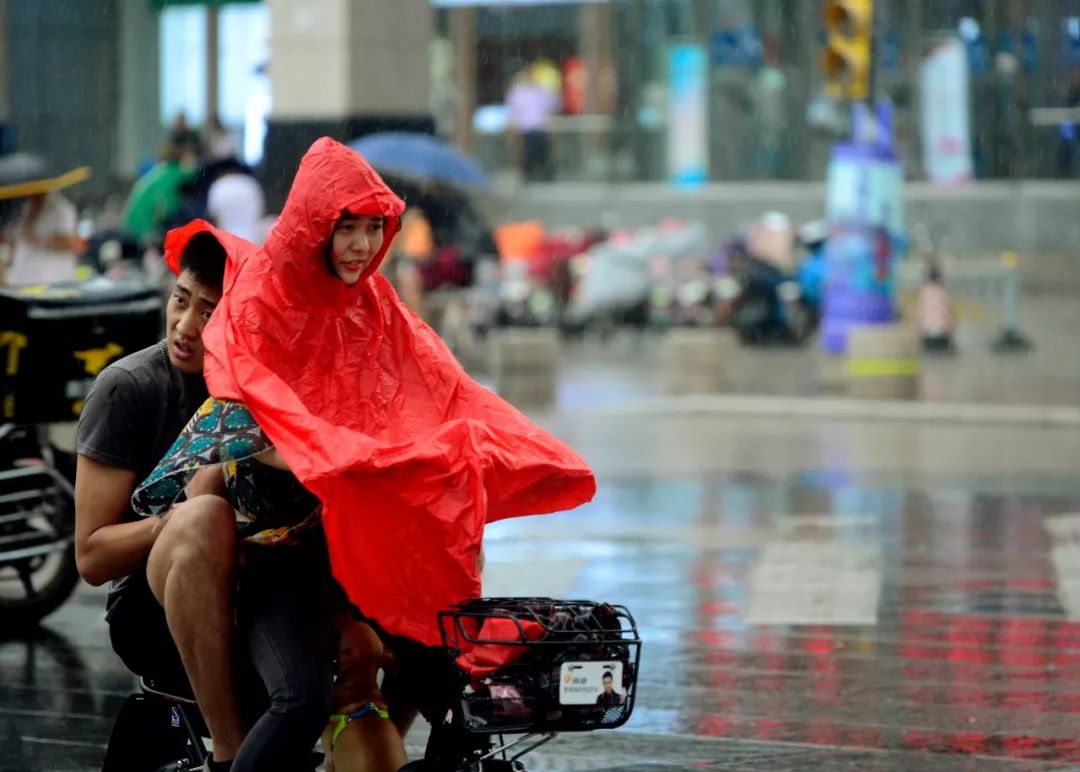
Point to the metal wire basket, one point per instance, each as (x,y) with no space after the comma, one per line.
(543,665)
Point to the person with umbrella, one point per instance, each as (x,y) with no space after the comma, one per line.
(421,159)
(444,236)
(43,236)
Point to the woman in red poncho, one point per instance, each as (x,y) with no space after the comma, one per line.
(407,456)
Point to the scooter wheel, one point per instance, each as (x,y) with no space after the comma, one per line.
(23,613)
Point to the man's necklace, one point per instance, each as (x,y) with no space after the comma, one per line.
(163,350)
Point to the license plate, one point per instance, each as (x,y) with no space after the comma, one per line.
(591,683)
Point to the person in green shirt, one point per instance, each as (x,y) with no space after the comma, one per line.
(156,194)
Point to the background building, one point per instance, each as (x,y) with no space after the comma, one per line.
(99,81)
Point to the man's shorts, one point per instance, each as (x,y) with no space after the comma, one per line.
(140,636)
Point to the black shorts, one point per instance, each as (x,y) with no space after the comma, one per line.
(140,635)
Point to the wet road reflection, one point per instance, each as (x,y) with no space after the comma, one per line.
(55,710)
(808,620)
(820,609)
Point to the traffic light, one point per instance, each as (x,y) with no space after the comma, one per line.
(849,26)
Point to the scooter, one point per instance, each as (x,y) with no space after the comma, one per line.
(770,306)
(512,673)
(765,304)
(37,526)
(54,340)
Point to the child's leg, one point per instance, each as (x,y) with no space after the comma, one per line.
(369,744)
(369,741)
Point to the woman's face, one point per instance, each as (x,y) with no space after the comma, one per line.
(355,243)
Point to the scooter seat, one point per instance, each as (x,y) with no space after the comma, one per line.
(174,692)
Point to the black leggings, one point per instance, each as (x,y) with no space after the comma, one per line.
(285,606)
(285,650)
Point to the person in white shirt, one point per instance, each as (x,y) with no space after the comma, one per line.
(235,202)
(220,142)
(44,241)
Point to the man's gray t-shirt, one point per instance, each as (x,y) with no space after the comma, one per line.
(132,415)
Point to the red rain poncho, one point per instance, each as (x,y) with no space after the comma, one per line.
(371,411)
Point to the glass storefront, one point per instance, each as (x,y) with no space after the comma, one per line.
(766,114)
(243,87)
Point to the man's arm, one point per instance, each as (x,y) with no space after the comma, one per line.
(106,547)
(112,436)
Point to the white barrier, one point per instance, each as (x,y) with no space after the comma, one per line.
(699,360)
(525,366)
(883,362)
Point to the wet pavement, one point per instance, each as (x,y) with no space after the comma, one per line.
(812,595)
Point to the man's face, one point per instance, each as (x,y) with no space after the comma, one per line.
(186,315)
(608,683)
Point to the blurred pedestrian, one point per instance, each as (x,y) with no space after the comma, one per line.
(191,206)
(157,195)
(45,241)
(934,312)
(220,142)
(414,246)
(529,107)
(236,204)
(183,138)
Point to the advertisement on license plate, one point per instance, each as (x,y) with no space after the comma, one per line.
(591,683)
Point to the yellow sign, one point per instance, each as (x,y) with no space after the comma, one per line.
(95,359)
(14,341)
(48,291)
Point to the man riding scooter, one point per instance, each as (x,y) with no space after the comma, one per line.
(777,302)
